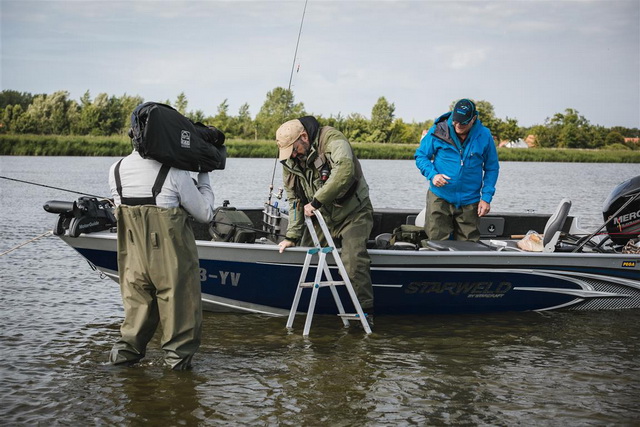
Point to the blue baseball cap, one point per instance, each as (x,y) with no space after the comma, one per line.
(464,111)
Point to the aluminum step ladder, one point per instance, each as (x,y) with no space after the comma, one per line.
(318,283)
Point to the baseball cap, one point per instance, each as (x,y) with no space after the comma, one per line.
(463,111)
(286,135)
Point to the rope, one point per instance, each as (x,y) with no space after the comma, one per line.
(48,233)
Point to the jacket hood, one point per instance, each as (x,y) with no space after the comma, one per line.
(311,125)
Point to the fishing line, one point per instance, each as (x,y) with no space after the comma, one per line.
(55,188)
(293,66)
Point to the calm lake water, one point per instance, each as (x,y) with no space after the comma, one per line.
(59,319)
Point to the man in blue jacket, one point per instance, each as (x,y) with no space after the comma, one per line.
(460,160)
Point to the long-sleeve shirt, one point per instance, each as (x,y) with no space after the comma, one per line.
(137,176)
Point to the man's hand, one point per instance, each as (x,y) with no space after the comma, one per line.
(309,209)
(440,179)
(286,244)
(483,208)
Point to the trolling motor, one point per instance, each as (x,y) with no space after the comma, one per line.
(85,215)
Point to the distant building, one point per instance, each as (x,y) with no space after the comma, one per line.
(514,144)
(528,142)
(635,141)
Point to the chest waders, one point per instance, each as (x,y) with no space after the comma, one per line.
(159,279)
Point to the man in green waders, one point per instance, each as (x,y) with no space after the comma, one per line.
(320,171)
(157,257)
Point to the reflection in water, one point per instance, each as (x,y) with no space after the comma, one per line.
(60,319)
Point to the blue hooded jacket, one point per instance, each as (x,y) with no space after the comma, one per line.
(473,166)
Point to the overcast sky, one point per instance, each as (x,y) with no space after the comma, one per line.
(529,59)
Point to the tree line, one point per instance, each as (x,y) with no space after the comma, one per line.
(105,115)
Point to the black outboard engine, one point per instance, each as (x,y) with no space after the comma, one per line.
(625,225)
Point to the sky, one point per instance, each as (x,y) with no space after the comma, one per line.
(529,59)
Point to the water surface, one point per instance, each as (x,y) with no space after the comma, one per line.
(60,319)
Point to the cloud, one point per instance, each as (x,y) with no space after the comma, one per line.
(420,55)
(461,58)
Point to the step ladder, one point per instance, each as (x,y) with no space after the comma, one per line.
(318,283)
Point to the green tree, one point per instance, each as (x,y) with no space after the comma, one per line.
(10,117)
(128,103)
(13,97)
(243,124)
(545,136)
(181,103)
(223,121)
(572,129)
(596,136)
(277,109)
(510,131)
(487,115)
(614,138)
(47,114)
(356,128)
(197,116)
(382,115)
(404,133)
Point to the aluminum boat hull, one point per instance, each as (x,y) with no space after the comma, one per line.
(256,278)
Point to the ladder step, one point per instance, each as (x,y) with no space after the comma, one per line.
(322,284)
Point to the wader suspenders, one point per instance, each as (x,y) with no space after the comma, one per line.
(138,201)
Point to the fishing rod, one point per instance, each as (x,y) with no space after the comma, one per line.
(295,54)
(293,66)
(55,188)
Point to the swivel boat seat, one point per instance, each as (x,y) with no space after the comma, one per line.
(551,233)
(554,225)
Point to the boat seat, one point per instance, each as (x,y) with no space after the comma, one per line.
(554,225)
(551,234)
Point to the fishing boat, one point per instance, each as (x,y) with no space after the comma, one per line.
(242,270)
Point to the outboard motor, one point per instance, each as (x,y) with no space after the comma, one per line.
(625,224)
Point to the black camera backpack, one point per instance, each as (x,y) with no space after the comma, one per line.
(160,132)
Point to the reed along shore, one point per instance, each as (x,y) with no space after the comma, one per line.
(63,145)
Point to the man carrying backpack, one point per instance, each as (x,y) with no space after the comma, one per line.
(157,257)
